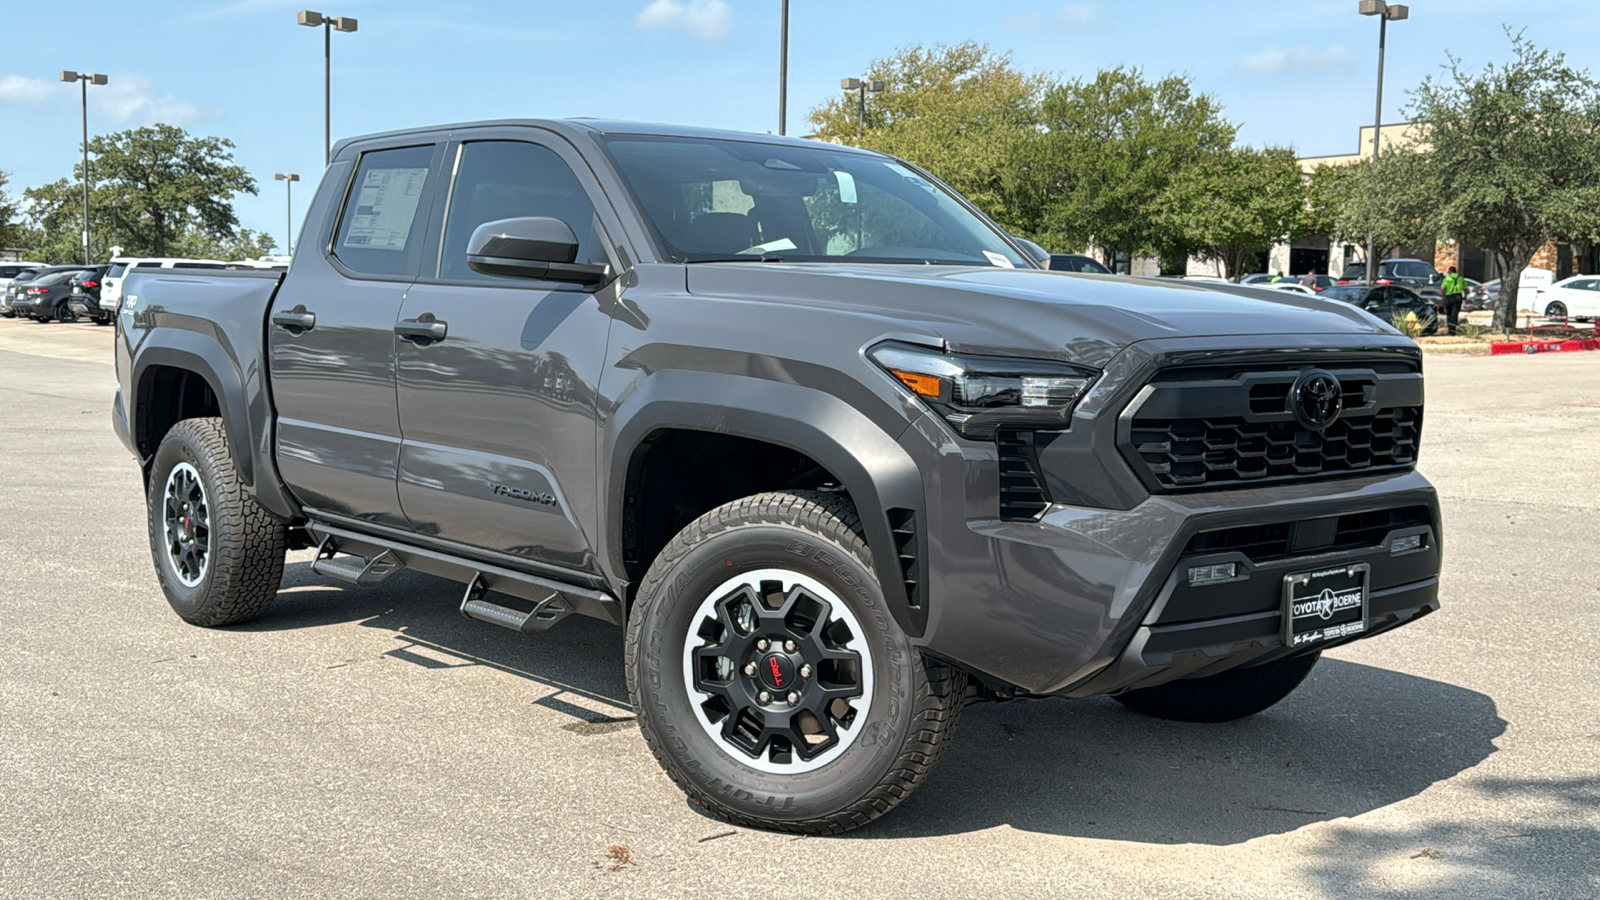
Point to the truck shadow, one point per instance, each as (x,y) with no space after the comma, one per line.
(580,659)
(1352,739)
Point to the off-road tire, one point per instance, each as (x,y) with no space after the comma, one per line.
(1223,697)
(916,702)
(246,556)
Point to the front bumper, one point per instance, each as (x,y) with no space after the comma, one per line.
(1090,601)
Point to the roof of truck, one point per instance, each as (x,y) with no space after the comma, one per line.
(572,127)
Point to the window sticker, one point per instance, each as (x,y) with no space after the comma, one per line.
(998,259)
(847,186)
(385,207)
(768,247)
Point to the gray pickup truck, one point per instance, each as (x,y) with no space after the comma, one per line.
(822,438)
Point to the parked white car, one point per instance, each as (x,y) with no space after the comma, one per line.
(111,282)
(1577,297)
(10,270)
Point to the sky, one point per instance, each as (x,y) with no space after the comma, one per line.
(1298,73)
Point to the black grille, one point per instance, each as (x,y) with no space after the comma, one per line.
(1279,540)
(1370,528)
(1190,453)
(1022,493)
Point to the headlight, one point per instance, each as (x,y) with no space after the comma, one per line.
(978,395)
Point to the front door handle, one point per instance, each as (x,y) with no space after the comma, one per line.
(296,320)
(424,329)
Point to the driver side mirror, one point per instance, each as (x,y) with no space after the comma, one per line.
(536,247)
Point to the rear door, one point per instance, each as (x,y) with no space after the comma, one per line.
(331,336)
(499,416)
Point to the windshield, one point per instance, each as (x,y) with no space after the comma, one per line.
(718,200)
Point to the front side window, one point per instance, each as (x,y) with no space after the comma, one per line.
(709,199)
(380,232)
(513,179)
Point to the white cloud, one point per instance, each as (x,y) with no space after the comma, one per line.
(707,20)
(15,89)
(1301,60)
(1073,16)
(131,100)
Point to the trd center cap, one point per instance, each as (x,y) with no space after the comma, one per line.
(776,672)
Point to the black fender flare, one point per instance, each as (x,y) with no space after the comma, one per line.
(868,460)
(249,436)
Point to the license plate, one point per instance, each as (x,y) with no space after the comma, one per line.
(1325,605)
(77,290)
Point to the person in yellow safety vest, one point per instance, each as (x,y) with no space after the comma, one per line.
(1276,277)
(1455,291)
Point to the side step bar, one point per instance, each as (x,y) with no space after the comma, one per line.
(371,559)
(541,618)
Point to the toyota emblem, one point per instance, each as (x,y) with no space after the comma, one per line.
(1317,400)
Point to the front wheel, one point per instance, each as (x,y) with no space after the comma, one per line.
(1556,310)
(772,682)
(1223,697)
(218,553)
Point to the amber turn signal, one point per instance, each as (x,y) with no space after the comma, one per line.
(923,385)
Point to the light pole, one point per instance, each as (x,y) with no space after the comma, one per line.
(1386,13)
(85,79)
(288,219)
(329,24)
(862,87)
(783,68)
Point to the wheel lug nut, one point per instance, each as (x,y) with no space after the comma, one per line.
(764,697)
(794,698)
(750,669)
(805,671)
(790,646)
(762,644)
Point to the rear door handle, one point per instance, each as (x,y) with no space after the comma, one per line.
(296,320)
(424,329)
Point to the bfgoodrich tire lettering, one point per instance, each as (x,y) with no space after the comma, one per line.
(244,543)
(1225,696)
(908,721)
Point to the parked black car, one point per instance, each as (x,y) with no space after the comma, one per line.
(1421,277)
(1387,302)
(45,296)
(85,295)
(1076,262)
(14,288)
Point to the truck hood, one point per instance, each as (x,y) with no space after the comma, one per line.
(1079,317)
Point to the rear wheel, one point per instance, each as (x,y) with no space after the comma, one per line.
(1556,310)
(218,553)
(1223,697)
(772,683)
(64,312)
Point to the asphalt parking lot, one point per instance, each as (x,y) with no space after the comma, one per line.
(352,742)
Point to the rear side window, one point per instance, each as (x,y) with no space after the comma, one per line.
(116,270)
(512,179)
(9,271)
(151,264)
(380,232)
(198,266)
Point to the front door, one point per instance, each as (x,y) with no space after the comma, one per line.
(331,341)
(499,414)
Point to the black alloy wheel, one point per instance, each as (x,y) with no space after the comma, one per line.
(187,517)
(1556,310)
(783,669)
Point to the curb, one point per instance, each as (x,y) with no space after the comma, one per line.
(1508,347)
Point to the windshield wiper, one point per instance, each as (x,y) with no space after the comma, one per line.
(711,259)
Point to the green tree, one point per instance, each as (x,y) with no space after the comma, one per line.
(11,230)
(197,243)
(168,182)
(962,112)
(1107,149)
(1509,161)
(1229,206)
